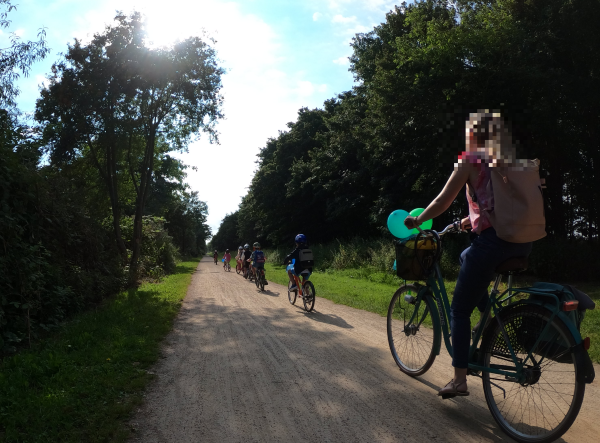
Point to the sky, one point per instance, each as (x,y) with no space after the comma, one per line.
(279,56)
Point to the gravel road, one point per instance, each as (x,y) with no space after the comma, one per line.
(245,366)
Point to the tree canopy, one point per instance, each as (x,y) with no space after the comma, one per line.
(391,141)
(124,106)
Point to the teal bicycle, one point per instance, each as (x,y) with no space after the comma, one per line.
(530,354)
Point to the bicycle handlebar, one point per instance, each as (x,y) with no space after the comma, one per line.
(451,228)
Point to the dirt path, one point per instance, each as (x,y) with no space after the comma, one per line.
(244,366)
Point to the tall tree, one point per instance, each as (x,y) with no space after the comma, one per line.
(126,104)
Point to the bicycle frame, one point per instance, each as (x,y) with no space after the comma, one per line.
(440,318)
(299,284)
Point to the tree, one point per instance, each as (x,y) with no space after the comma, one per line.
(18,58)
(391,142)
(127,104)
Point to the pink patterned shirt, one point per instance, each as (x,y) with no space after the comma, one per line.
(480,194)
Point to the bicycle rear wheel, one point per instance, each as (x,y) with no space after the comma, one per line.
(238,268)
(262,283)
(292,294)
(542,406)
(308,296)
(411,343)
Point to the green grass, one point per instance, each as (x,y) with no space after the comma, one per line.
(372,291)
(82,384)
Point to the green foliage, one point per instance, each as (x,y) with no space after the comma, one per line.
(159,255)
(227,236)
(17,58)
(82,384)
(390,143)
(123,107)
(54,258)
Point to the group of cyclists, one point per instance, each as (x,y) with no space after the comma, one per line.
(250,262)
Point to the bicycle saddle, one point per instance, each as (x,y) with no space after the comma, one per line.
(515,264)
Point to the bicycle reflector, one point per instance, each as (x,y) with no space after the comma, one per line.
(570,305)
(586,343)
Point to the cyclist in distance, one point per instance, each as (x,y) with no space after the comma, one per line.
(238,257)
(488,144)
(301,243)
(245,257)
(258,259)
(227,258)
(215,256)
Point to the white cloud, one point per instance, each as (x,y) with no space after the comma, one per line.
(19,32)
(42,81)
(317,16)
(341,61)
(338,18)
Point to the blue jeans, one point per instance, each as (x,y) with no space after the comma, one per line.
(477,264)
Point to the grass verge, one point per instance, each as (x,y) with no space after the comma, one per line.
(82,384)
(361,289)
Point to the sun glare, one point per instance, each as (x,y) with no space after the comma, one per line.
(182,19)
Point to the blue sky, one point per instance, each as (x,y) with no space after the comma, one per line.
(280,55)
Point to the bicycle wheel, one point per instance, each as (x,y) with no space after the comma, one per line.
(257,280)
(292,294)
(411,343)
(238,268)
(262,282)
(543,405)
(228,267)
(308,296)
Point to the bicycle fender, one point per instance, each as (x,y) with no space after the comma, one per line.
(437,328)
(586,372)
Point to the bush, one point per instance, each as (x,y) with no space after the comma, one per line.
(54,257)
(552,259)
(159,256)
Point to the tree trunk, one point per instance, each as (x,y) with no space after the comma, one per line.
(146,177)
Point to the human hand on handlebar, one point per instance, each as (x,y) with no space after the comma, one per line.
(411,222)
(465,224)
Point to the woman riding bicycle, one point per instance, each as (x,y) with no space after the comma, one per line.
(488,144)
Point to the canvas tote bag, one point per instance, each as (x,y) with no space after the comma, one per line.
(518,212)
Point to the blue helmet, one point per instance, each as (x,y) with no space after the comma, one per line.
(300,239)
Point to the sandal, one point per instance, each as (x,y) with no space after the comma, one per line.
(452,390)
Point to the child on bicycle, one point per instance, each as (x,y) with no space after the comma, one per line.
(245,258)
(227,258)
(238,257)
(296,268)
(215,256)
(258,259)
(488,144)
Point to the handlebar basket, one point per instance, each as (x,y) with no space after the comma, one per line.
(415,257)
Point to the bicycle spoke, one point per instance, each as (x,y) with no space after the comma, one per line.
(545,402)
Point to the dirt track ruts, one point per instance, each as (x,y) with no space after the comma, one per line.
(245,366)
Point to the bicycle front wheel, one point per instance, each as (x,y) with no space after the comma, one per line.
(238,268)
(308,296)
(411,343)
(543,404)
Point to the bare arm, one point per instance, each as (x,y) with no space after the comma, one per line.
(443,201)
